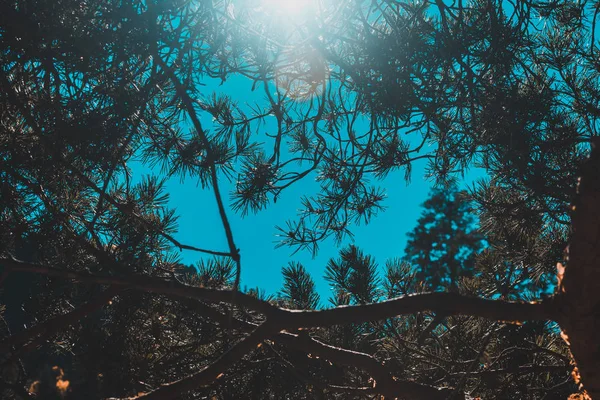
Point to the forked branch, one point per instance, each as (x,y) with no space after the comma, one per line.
(279,319)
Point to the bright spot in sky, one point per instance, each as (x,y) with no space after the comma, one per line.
(289,7)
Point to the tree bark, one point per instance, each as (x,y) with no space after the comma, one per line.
(578,294)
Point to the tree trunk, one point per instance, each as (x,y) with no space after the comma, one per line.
(578,295)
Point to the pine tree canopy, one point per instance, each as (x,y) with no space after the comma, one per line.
(496,295)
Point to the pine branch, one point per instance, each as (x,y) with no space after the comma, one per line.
(52,326)
(145,284)
(519,370)
(213,372)
(278,319)
(444,303)
(447,303)
(385,383)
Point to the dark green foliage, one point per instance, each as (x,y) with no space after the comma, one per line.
(217,272)
(255,183)
(354,275)
(399,279)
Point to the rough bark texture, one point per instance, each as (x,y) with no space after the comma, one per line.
(579,289)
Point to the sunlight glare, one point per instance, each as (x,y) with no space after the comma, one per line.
(289,7)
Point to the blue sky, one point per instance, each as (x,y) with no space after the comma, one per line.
(255,234)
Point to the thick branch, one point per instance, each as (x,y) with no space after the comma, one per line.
(146,284)
(449,303)
(446,303)
(522,369)
(386,384)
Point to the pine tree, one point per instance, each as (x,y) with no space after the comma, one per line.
(444,244)
(357,92)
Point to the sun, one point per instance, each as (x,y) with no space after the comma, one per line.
(290,8)
(285,14)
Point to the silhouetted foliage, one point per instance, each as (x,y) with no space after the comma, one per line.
(95,300)
(353,275)
(298,288)
(444,244)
